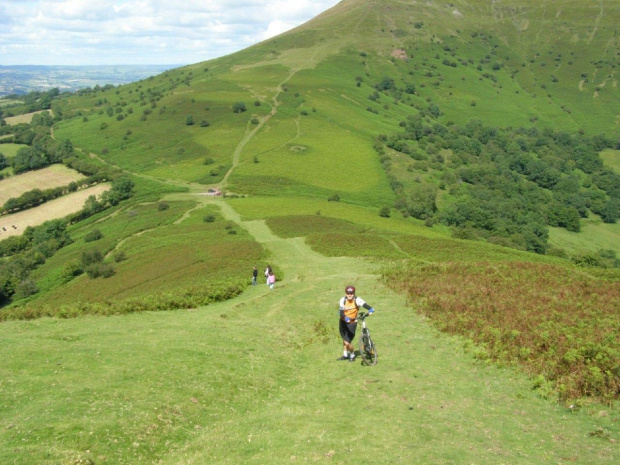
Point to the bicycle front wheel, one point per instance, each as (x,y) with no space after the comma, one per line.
(368,351)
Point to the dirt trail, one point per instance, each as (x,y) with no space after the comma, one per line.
(250,133)
(293,256)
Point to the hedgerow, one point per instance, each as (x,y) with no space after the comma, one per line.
(190,297)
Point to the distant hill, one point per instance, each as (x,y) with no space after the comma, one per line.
(23,79)
(471,120)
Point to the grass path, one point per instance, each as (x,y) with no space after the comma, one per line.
(255,380)
(252,129)
(427,401)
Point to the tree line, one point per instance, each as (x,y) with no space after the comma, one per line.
(504,185)
(24,253)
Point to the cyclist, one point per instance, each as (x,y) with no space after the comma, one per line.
(349,306)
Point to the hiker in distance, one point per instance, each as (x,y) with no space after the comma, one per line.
(254,276)
(348,309)
(267,270)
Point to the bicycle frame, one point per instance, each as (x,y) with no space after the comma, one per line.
(362,317)
(368,350)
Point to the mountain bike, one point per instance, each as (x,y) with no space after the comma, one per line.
(368,350)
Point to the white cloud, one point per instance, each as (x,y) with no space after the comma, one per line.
(63,32)
(277,27)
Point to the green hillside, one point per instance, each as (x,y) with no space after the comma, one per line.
(457,161)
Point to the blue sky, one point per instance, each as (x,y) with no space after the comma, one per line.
(94,32)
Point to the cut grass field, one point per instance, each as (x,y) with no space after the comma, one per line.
(56,175)
(15,223)
(255,380)
(25,118)
(10,150)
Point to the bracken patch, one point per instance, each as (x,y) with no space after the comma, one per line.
(556,322)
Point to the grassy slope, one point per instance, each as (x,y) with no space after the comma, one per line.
(187,386)
(193,388)
(548,65)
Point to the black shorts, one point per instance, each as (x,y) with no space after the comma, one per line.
(347,330)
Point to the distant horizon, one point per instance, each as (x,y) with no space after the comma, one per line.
(21,79)
(144,65)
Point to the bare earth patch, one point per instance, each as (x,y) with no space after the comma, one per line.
(46,178)
(400,54)
(14,224)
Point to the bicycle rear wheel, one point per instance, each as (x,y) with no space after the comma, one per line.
(368,351)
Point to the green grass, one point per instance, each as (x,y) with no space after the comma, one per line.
(191,387)
(166,252)
(595,235)
(252,208)
(611,158)
(10,150)
(254,379)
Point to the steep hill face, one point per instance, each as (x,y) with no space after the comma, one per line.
(321,88)
(317,112)
(553,61)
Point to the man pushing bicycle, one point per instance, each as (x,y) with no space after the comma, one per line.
(349,307)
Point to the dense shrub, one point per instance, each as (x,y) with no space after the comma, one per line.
(72,269)
(119,256)
(560,325)
(96,270)
(183,298)
(26,288)
(92,236)
(91,257)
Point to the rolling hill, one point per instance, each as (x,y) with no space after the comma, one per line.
(444,156)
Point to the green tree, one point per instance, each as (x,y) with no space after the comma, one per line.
(422,200)
(64,149)
(28,158)
(239,107)
(611,211)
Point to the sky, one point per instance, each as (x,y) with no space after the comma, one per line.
(176,32)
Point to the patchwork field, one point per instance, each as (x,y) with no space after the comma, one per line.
(22,118)
(10,150)
(14,224)
(46,178)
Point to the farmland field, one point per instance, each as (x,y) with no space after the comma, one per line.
(14,224)
(46,178)
(611,159)
(7,102)
(10,150)
(22,118)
